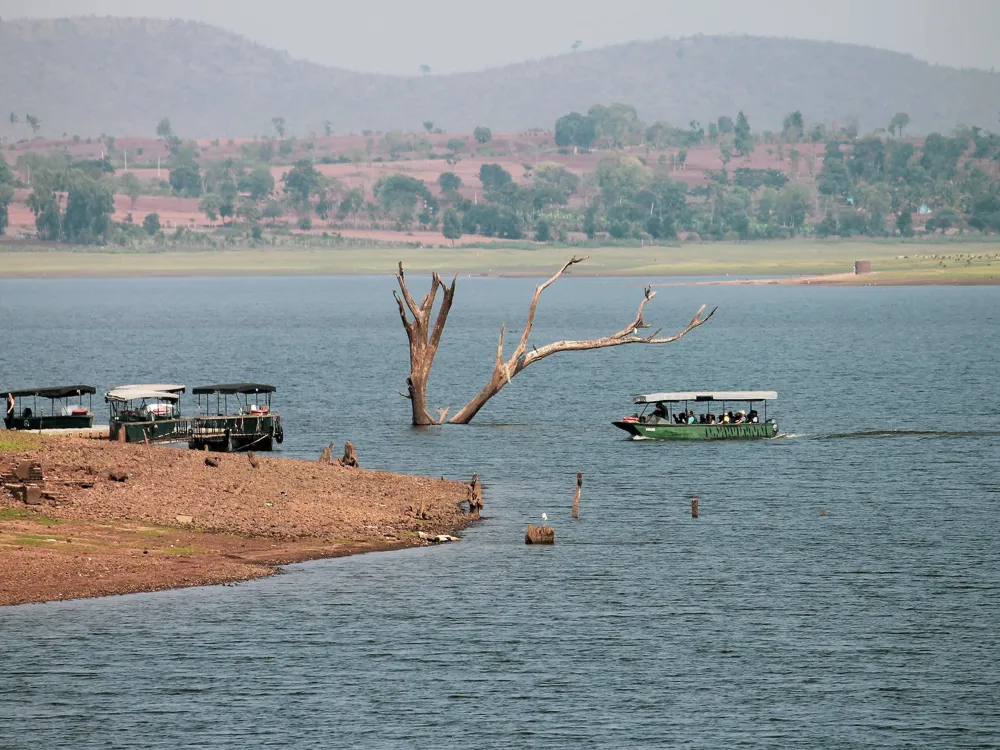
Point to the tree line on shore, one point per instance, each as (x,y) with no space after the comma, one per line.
(870,185)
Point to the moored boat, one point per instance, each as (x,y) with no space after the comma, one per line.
(669,421)
(248,425)
(147,412)
(61,414)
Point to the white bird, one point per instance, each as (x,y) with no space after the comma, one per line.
(545,517)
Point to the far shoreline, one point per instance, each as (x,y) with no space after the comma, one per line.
(788,262)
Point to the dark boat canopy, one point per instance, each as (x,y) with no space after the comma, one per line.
(232,388)
(59,391)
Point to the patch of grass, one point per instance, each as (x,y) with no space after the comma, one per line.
(31,540)
(188,549)
(20,514)
(14,441)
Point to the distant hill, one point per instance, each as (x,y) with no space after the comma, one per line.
(90,75)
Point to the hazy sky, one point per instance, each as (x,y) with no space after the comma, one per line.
(398,36)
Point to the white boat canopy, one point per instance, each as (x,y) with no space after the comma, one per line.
(166,388)
(137,393)
(652,398)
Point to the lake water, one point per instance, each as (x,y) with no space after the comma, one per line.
(763,623)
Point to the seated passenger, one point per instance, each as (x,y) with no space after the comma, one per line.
(659,415)
(740,417)
(724,419)
(690,417)
(752,417)
(710,418)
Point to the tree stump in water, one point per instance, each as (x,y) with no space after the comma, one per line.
(350,458)
(475,496)
(576,497)
(540,535)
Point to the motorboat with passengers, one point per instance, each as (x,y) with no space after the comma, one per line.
(701,415)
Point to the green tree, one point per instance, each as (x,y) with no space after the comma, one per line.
(450,183)
(898,122)
(327,128)
(725,124)
(163,130)
(451,225)
(278,123)
(131,187)
(828,226)
(794,126)
(795,203)
(151,223)
(575,129)
(619,177)
(209,206)
(483,135)
(34,123)
(618,123)
(543,230)
(742,137)
(272,211)
(258,183)
(185,180)
(301,182)
(6,194)
(554,183)
(904,223)
(89,206)
(249,212)
(429,125)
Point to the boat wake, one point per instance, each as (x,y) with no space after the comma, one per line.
(904,433)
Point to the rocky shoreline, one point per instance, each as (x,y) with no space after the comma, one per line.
(168,519)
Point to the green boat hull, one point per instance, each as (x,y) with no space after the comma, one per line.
(236,432)
(51,422)
(156,431)
(755,431)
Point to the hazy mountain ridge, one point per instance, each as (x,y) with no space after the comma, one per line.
(120,76)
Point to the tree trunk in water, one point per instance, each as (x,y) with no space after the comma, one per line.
(424,341)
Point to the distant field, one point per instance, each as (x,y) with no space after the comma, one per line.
(923,263)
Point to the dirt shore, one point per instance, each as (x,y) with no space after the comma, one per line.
(177,522)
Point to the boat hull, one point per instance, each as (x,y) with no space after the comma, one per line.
(156,431)
(236,433)
(755,431)
(55,422)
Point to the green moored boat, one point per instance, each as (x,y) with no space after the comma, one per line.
(248,425)
(62,413)
(712,421)
(147,412)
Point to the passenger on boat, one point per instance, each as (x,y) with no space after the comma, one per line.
(752,417)
(710,418)
(725,418)
(741,417)
(690,417)
(659,415)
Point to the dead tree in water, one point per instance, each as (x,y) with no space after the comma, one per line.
(423,349)
(424,341)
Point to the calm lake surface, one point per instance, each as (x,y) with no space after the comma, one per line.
(761,624)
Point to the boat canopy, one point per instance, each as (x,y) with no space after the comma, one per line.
(59,391)
(232,388)
(166,388)
(134,393)
(652,398)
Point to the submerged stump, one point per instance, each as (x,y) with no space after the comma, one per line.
(475,496)
(540,535)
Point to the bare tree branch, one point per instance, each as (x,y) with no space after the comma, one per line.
(504,371)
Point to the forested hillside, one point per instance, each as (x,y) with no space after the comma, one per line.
(89,76)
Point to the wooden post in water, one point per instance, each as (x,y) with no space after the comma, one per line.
(694,507)
(576,497)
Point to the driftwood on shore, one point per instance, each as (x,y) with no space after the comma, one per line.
(350,458)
